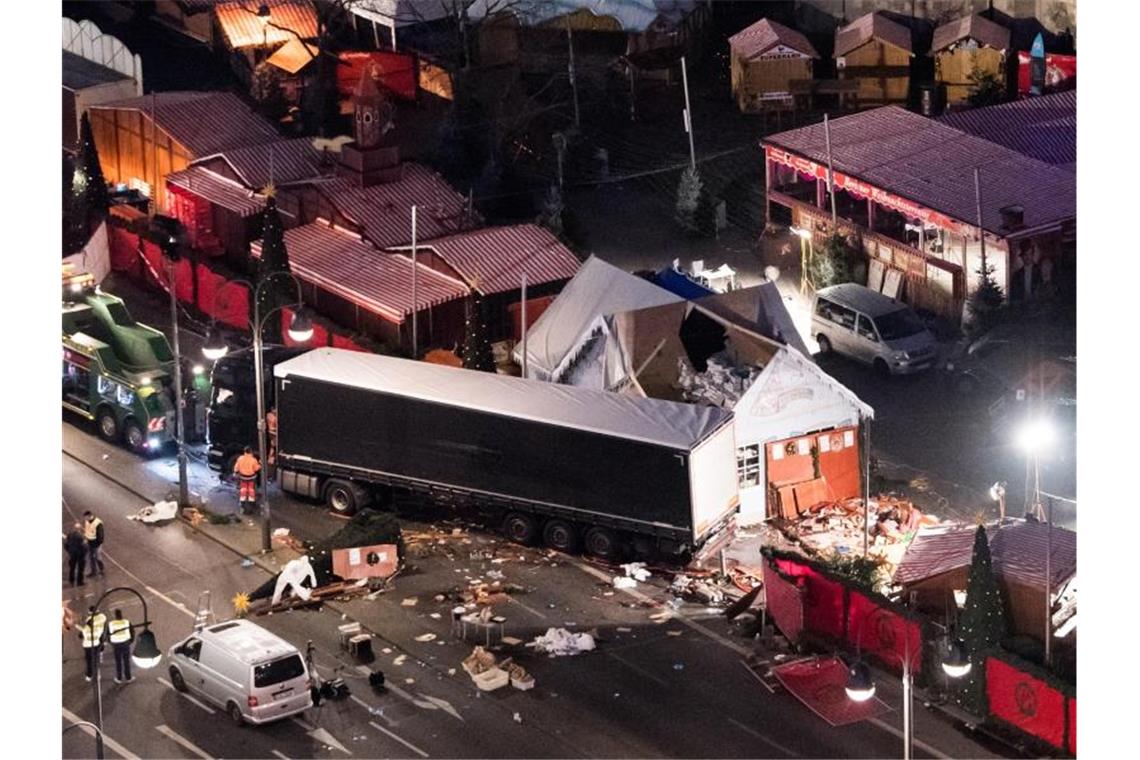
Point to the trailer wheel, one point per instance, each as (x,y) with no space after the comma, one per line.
(135,437)
(560,535)
(601,543)
(107,425)
(520,528)
(345,497)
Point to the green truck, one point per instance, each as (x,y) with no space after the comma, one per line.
(116,372)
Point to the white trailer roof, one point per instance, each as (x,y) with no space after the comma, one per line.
(665,423)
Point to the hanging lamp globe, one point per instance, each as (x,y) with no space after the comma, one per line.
(860,685)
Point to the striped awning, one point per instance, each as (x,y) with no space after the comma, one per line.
(493,260)
(217,190)
(339,262)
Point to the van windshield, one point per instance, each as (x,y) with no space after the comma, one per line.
(898,324)
(278,671)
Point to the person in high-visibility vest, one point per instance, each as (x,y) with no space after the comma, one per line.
(246,468)
(91,633)
(119,633)
(93,533)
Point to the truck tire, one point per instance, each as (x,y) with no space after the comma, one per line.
(107,425)
(345,497)
(601,543)
(560,535)
(520,528)
(135,437)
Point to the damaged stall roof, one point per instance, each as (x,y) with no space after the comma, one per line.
(665,423)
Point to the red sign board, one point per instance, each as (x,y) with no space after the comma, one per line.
(396,72)
(1025,702)
(1059,69)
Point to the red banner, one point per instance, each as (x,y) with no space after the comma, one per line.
(1059,69)
(883,633)
(184,280)
(396,72)
(124,251)
(1072,726)
(339,341)
(823,605)
(1025,702)
(232,307)
(785,602)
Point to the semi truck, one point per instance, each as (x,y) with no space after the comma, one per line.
(115,370)
(572,467)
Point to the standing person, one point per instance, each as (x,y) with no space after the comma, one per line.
(120,634)
(91,633)
(93,532)
(76,546)
(271,429)
(246,468)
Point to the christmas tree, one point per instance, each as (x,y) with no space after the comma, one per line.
(90,200)
(689,198)
(982,625)
(74,223)
(274,258)
(476,348)
(985,303)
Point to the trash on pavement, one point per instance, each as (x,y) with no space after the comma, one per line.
(157,512)
(375,561)
(636,570)
(425,637)
(559,642)
(409,602)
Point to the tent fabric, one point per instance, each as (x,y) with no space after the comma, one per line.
(678,283)
(678,426)
(761,309)
(784,600)
(820,685)
(598,289)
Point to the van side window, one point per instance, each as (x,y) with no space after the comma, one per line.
(823,308)
(866,330)
(843,316)
(192,649)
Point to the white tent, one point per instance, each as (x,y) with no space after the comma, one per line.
(597,290)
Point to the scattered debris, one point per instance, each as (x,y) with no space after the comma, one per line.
(559,642)
(426,637)
(399,660)
(280,532)
(518,718)
(364,562)
(409,602)
(246,562)
(510,641)
(157,512)
(637,571)
(673,633)
(435,616)
(623,582)
(624,629)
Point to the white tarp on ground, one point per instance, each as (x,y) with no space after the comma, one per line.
(95,258)
(666,423)
(597,290)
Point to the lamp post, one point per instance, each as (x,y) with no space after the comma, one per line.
(263,16)
(806,254)
(95,729)
(146,656)
(167,231)
(1033,438)
(300,331)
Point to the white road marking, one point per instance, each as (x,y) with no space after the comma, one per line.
(186,744)
(406,743)
(426,703)
(762,738)
(917,742)
(532,611)
(278,754)
(203,705)
(107,741)
(639,670)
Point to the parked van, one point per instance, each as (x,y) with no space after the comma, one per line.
(252,674)
(870,327)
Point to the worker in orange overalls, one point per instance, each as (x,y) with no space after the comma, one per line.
(271,427)
(246,468)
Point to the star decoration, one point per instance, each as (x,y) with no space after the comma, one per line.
(241,603)
(269,191)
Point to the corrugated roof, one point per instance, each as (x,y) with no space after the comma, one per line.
(205,122)
(291,160)
(1044,128)
(755,40)
(631,15)
(403,12)
(974,27)
(293,56)
(872,26)
(385,210)
(340,262)
(217,190)
(288,19)
(663,423)
(1017,549)
(80,73)
(932,164)
(493,259)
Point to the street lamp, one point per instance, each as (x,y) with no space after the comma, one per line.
(1036,436)
(860,685)
(956,664)
(806,254)
(263,16)
(146,655)
(300,331)
(997,493)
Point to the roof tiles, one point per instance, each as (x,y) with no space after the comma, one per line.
(974,27)
(1044,128)
(873,26)
(759,38)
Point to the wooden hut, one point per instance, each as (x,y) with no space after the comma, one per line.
(766,58)
(968,46)
(876,52)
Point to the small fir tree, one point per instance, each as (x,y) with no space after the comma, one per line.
(88,187)
(74,223)
(476,348)
(274,258)
(834,262)
(986,303)
(689,198)
(986,88)
(982,625)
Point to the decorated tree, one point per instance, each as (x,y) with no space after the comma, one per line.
(274,258)
(986,88)
(74,221)
(476,351)
(982,624)
(834,262)
(90,199)
(985,303)
(689,198)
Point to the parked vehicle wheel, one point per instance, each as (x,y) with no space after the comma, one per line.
(108,426)
(882,369)
(345,497)
(135,437)
(227,473)
(824,344)
(520,528)
(235,714)
(176,680)
(560,535)
(601,543)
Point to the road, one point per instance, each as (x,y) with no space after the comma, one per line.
(669,689)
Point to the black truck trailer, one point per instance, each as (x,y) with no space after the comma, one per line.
(572,466)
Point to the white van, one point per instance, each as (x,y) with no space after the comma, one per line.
(872,328)
(252,674)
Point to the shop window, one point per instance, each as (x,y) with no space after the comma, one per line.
(748,465)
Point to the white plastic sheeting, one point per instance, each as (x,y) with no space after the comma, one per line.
(665,423)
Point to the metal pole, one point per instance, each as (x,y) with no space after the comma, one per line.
(1048,585)
(523,310)
(830,174)
(98,735)
(96,682)
(981,231)
(415,290)
(259,374)
(179,429)
(866,483)
(688,115)
(908,698)
(573,82)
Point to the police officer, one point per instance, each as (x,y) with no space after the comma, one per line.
(120,634)
(93,533)
(91,633)
(246,468)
